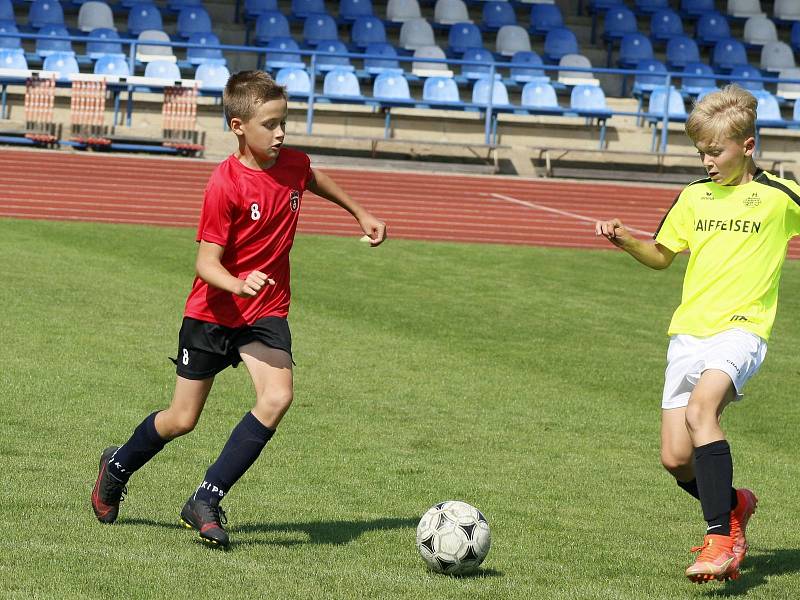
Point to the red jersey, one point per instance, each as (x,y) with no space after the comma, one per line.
(253,215)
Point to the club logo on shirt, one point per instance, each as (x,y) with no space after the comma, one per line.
(752,200)
(709,196)
(294,200)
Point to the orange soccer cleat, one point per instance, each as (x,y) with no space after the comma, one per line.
(715,561)
(746,502)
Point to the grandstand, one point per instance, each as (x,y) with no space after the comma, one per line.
(572,87)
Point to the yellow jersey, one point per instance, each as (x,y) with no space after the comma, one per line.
(737,236)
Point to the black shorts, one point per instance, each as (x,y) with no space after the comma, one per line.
(205,349)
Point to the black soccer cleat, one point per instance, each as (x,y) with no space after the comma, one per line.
(208,519)
(108,491)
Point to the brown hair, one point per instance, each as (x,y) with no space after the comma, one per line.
(729,113)
(245,90)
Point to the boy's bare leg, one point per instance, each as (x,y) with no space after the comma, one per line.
(188,400)
(271,372)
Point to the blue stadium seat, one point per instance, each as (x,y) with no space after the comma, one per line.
(665,24)
(253,8)
(350,10)
(176,6)
(392,87)
(619,21)
(711,28)
(318,28)
(545,17)
(193,19)
(694,85)
(301,9)
(661,101)
(744,76)
(681,50)
(768,112)
(633,48)
(389,61)
(11,59)
(601,6)
(297,81)
(105,42)
(63,64)
(477,71)
(526,67)
(341,84)
(483,87)
(143,17)
(213,76)
(589,101)
(162,69)
(441,90)
(463,36)
(367,30)
(45,12)
(111,65)
(727,54)
(695,8)
(9,43)
(337,61)
(648,7)
(200,56)
(283,52)
(7,11)
(540,97)
(46,46)
(271,25)
(794,36)
(497,14)
(644,84)
(558,42)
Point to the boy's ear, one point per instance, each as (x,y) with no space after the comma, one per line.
(749,146)
(236,126)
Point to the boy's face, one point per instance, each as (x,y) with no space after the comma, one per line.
(726,160)
(264,132)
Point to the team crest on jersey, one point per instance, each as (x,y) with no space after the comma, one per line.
(294,200)
(752,200)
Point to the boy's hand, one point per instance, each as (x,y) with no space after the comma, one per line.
(252,284)
(614,231)
(374,229)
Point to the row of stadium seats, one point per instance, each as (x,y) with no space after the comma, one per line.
(782,10)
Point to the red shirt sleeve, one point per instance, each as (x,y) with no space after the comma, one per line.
(216,215)
(309,172)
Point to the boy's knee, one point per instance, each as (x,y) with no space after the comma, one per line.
(277,398)
(674,464)
(697,417)
(179,424)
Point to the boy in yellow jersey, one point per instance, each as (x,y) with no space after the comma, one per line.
(736,223)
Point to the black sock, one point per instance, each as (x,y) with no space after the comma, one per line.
(689,487)
(144,444)
(714,470)
(244,445)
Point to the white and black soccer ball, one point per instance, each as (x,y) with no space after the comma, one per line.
(453,537)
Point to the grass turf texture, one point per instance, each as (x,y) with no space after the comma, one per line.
(525,381)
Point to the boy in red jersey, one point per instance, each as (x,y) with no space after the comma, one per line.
(237,308)
(736,223)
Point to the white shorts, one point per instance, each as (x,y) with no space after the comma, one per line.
(737,352)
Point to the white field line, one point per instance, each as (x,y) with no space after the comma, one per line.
(557,211)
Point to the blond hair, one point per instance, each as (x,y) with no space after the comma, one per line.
(729,113)
(245,90)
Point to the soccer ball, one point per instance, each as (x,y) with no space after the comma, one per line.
(453,538)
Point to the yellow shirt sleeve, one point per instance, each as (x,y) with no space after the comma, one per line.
(793,213)
(675,229)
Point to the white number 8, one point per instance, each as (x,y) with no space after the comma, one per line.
(185,356)
(255,214)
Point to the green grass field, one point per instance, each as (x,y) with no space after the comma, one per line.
(525,381)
